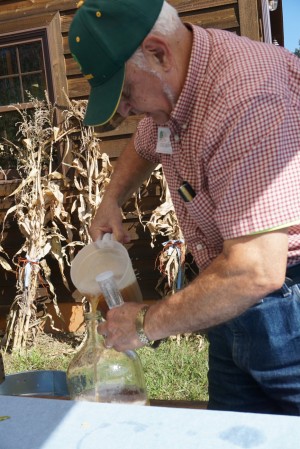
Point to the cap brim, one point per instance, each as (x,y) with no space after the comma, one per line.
(104,100)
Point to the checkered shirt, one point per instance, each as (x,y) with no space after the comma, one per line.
(235,135)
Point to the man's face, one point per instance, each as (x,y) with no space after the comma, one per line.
(146,93)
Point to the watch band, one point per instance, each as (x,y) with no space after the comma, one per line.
(139,325)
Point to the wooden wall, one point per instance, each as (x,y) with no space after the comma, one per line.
(238,16)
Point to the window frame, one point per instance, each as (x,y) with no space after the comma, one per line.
(13,40)
(49,26)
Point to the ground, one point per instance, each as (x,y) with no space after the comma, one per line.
(51,351)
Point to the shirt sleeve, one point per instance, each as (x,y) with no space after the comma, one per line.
(254,173)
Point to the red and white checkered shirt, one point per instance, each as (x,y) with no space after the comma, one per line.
(235,136)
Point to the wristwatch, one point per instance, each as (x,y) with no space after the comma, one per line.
(139,325)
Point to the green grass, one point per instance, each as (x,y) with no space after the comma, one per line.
(49,353)
(176,370)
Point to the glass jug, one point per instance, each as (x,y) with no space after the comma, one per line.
(99,374)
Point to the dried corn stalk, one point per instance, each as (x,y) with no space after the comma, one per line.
(163,222)
(45,204)
(92,169)
(42,219)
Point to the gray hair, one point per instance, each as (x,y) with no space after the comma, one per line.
(166,24)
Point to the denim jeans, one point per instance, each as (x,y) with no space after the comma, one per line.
(254,359)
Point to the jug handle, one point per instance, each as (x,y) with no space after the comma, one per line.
(107,237)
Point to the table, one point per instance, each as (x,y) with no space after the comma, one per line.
(57,424)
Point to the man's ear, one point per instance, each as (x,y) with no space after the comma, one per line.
(157,52)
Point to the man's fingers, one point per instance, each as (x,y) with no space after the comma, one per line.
(107,344)
(102,329)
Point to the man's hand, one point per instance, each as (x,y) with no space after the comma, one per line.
(119,328)
(108,218)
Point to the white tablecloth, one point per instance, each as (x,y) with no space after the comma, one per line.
(57,424)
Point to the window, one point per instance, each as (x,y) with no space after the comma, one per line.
(31,60)
(24,69)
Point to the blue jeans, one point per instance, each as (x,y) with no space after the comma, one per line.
(254,359)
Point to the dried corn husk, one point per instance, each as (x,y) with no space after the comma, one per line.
(42,219)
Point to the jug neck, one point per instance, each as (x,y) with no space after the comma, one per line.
(92,319)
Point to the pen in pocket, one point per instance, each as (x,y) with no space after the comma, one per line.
(186,192)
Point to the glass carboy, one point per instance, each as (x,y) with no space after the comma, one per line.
(99,374)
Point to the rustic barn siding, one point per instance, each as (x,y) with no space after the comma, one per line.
(239,16)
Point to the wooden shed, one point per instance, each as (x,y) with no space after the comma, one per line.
(42,27)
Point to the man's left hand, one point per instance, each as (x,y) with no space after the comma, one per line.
(119,329)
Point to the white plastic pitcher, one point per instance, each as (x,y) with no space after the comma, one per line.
(105,255)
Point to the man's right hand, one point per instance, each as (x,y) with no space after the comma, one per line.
(108,218)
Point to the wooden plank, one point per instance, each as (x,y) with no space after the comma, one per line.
(72,67)
(8,186)
(66,45)
(223,19)
(249,19)
(183,6)
(78,87)
(57,61)
(66,19)
(128,126)
(24,8)
(113,147)
(19,24)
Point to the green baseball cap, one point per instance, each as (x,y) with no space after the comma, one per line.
(103,35)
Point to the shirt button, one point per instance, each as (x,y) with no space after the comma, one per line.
(199,246)
(184,126)
(176,138)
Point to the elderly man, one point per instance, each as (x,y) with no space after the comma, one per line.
(222,115)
